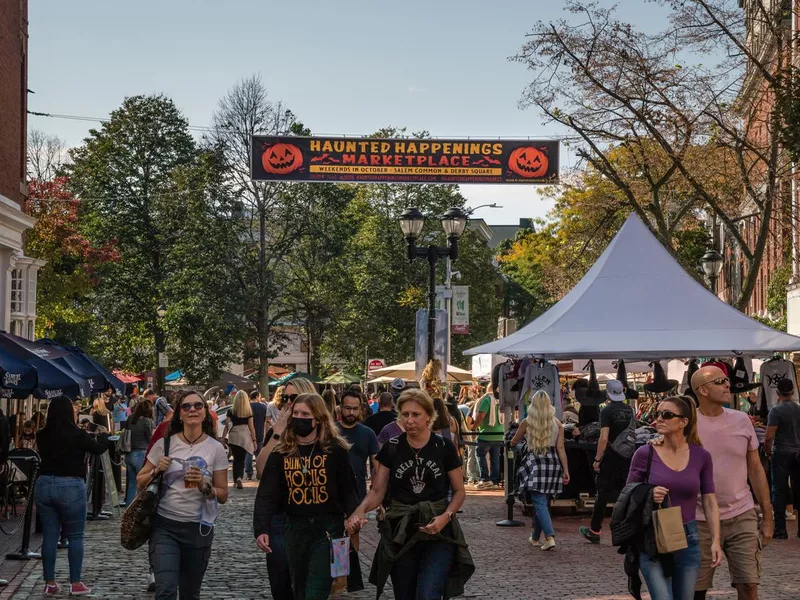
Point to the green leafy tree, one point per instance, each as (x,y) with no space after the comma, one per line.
(144,183)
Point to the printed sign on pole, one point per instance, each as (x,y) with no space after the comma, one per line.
(461,309)
(375,363)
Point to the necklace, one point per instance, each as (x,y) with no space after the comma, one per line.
(307,460)
(186,439)
(417,452)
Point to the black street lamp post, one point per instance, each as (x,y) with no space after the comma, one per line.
(453,222)
(160,339)
(712,265)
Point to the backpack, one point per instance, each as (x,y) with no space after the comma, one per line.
(625,443)
(125,440)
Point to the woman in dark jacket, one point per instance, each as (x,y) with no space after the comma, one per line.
(308,477)
(61,490)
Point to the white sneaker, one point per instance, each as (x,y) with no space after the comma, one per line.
(790,516)
(532,541)
(483,485)
(549,544)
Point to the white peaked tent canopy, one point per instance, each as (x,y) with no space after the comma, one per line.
(636,302)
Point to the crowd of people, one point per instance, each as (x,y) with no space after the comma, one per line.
(326,461)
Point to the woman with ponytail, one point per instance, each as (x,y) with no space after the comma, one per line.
(680,469)
(544,470)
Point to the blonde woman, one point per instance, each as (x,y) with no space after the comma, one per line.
(240,434)
(544,470)
(422,546)
(308,477)
(280,582)
(100,414)
(274,406)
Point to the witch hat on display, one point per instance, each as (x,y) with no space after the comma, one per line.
(594,386)
(693,368)
(622,376)
(740,380)
(660,383)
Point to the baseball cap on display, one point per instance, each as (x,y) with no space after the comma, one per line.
(615,390)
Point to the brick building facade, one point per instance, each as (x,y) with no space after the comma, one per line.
(18,273)
(756,99)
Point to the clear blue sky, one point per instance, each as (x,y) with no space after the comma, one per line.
(347,67)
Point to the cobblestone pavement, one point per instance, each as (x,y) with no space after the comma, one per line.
(507,566)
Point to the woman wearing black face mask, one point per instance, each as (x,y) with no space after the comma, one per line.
(307,476)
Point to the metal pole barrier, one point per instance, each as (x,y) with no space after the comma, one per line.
(508,453)
(25,553)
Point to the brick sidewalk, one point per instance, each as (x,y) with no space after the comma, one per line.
(507,566)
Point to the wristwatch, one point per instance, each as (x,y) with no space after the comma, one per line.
(449,514)
(276,436)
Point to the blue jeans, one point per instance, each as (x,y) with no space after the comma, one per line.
(687,566)
(785,467)
(493,448)
(280,580)
(61,506)
(421,573)
(134,461)
(541,515)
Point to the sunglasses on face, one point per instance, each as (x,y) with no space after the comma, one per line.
(187,406)
(718,381)
(289,397)
(666,415)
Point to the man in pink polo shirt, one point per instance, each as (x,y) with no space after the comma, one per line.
(729,437)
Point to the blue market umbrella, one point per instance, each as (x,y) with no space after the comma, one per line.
(63,357)
(16,375)
(115,382)
(52,378)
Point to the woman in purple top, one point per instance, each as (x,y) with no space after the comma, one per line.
(680,470)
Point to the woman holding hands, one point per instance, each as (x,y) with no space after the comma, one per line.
(422,546)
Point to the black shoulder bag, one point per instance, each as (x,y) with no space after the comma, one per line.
(137,520)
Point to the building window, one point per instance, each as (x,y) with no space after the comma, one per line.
(17,327)
(16,291)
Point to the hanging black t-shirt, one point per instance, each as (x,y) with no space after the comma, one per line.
(419,475)
(616,416)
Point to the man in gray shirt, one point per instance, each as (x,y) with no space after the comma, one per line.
(782,442)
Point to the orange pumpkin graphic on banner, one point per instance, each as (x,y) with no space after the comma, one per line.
(528,162)
(281,159)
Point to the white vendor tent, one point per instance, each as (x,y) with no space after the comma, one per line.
(636,302)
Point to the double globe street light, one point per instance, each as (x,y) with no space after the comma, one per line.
(453,222)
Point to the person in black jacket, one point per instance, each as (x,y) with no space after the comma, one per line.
(308,476)
(61,490)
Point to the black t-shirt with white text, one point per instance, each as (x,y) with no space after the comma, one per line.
(419,475)
(616,416)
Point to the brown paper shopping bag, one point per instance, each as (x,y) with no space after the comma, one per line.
(670,534)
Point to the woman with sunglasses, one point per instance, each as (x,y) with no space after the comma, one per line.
(280,582)
(195,482)
(309,479)
(681,470)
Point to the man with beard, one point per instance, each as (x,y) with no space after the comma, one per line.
(364,446)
